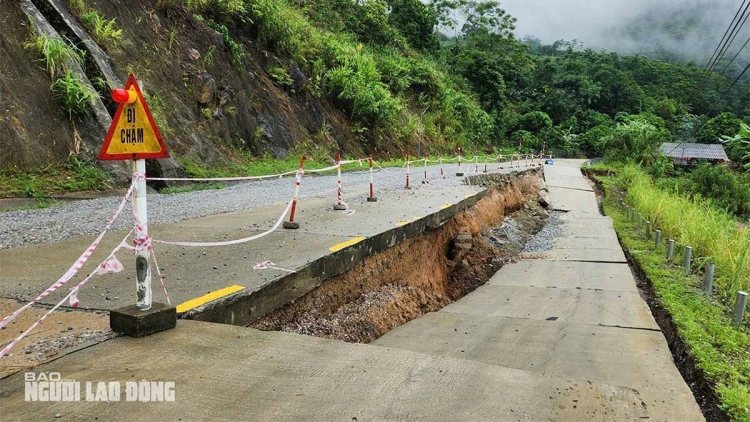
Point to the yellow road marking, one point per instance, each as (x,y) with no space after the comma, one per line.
(416,217)
(348,243)
(402,223)
(468,195)
(442,207)
(198,301)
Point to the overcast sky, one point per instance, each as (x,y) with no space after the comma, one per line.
(596,22)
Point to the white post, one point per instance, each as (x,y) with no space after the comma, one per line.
(143,275)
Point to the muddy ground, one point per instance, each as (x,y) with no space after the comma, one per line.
(420,275)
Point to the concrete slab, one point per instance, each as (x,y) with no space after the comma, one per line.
(573,200)
(568,182)
(280,376)
(566,275)
(638,359)
(594,307)
(192,272)
(586,243)
(579,254)
(587,228)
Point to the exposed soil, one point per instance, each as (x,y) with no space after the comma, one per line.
(60,333)
(702,389)
(420,275)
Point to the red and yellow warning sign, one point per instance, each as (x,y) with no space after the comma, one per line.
(133,134)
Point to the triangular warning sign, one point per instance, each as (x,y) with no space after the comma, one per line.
(133,134)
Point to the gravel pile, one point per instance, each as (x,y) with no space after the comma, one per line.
(542,241)
(88,217)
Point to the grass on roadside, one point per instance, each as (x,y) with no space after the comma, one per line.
(721,351)
(104,31)
(193,188)
(71,176)
(712,232)
(260,166)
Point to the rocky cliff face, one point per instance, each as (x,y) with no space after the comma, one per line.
(208,103)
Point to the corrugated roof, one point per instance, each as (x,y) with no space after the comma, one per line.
(700,151)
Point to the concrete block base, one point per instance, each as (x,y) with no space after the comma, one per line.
(372,199)
(460,174)
(339,207)
(133,322)
(290,225)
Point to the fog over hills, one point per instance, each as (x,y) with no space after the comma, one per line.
(687,30)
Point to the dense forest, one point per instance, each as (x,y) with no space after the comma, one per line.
(390,66)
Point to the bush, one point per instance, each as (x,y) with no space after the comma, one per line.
(634,140)
(725,124)
(725,188)
(535,121)
(74,96)
(594,141)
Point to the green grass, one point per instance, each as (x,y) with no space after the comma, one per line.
(713,233)
(72,176)
(104,31)
(74,97)
(193,188)
(720,350)
(381,88)
(245,165)
(55,53)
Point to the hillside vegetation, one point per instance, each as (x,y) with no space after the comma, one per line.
(234,81)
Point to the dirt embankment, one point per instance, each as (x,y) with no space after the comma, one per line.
(420,275)
(207,105)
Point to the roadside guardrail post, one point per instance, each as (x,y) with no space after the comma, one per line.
(708,283)
(688,258)
(670,250)
(739,308)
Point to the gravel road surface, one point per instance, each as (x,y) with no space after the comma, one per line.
(88,217)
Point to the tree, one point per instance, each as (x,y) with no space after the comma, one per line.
(725,124)
(477,16)
(416,22)
(535,122)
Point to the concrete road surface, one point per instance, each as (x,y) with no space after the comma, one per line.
(544,340)
(574,312)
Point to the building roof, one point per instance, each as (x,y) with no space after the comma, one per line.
(699,151)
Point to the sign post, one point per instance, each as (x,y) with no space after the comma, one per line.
(133,135)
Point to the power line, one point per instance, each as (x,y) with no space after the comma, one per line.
(736,55)
(736,32)
(738,78)
(723,38)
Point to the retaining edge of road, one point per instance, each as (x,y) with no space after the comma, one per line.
(246,306)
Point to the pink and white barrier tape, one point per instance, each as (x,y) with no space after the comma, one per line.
(265,265)
(230,242)
(73,270)
(72,295)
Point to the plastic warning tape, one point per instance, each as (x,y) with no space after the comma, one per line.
(230,242)
(80,262)
(72,296)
